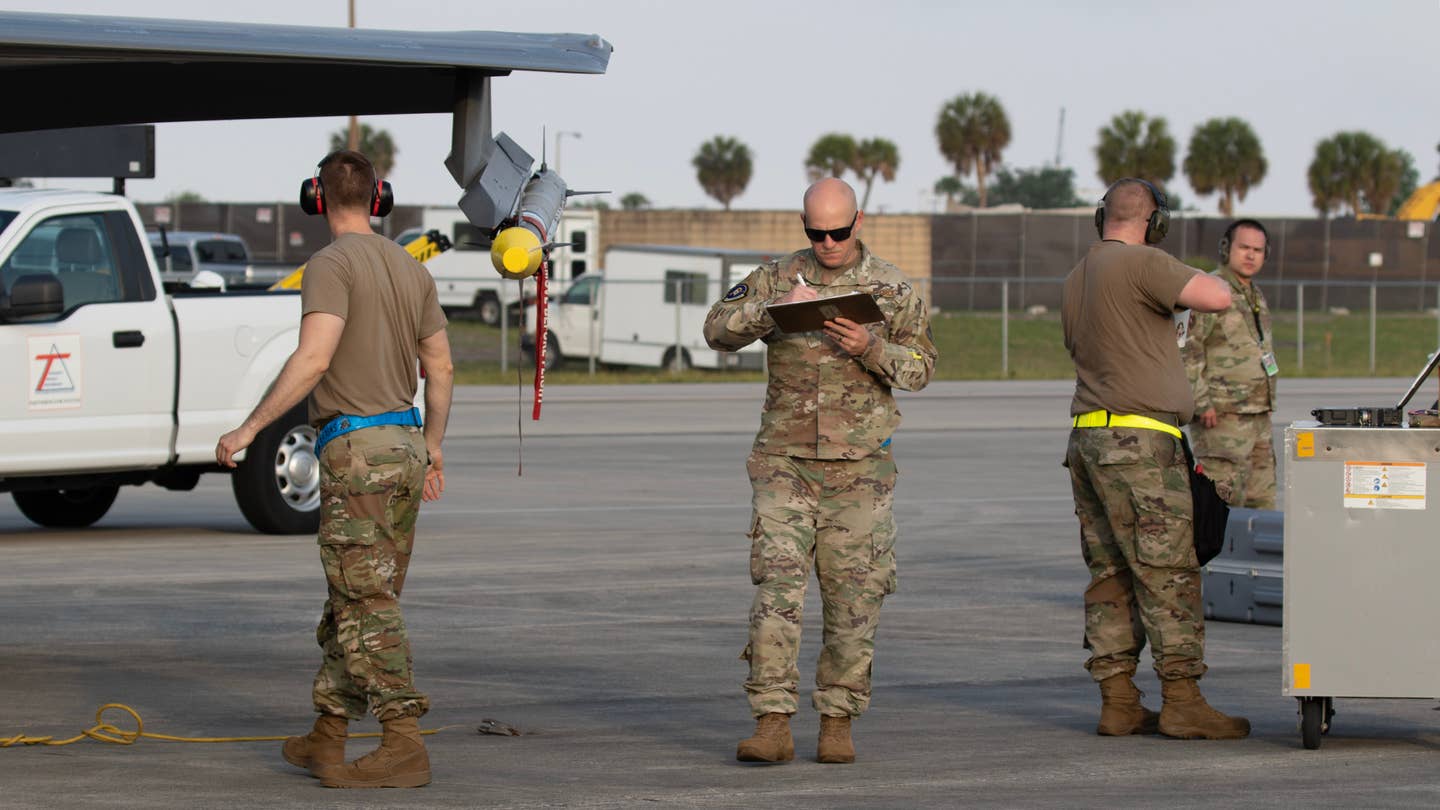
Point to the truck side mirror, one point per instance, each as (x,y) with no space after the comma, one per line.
(34,295)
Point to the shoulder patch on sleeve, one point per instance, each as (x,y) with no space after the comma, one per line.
(737,292)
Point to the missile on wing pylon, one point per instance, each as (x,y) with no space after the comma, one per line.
(519,249)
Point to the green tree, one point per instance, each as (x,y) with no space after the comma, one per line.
(1409,181)
(1043,187)
(184,197)
(973,130)
(1136,145)
(1225,156)
(831,155)
(875,157)
(955,190)
(1357,170)
(723,167)
(634,201)
(375,144)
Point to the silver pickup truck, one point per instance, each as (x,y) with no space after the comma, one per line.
(182,254)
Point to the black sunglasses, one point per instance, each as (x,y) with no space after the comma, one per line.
(818,235)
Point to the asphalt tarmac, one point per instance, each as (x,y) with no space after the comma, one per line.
(598,604)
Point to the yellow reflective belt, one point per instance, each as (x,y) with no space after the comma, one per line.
(1106,419)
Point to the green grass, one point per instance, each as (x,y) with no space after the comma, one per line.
(969,345)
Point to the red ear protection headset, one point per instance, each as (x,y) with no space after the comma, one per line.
(1155,227)
(1230,235)
(312,193)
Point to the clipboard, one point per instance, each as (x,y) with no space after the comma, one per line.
(810,316)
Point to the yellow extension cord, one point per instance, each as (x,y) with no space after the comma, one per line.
(109,733)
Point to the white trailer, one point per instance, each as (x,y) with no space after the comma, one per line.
(647,308)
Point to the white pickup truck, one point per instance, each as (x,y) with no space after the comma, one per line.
(113,382)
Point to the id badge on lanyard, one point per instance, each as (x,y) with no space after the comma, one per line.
(1267,359)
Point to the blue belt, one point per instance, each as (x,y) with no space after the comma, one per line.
(345,423)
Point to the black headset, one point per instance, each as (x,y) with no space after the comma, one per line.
(1155,227)
(1230,234)
(312,192)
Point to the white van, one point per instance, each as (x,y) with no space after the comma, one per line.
(647,308)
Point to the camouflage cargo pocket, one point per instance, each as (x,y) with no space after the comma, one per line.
(1163,538)
(774,553)
(882,553)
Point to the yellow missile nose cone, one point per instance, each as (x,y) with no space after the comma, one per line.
(516,253)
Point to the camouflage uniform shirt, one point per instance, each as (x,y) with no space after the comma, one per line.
(822,403)
(1222,353)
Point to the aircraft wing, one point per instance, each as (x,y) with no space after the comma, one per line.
(69,70)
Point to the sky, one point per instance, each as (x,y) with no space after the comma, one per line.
(779,74)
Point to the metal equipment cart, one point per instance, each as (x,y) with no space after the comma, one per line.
(1362,558)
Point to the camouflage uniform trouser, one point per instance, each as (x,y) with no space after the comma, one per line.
(370,486)
(1132,495)
(836,516)
(1239,457)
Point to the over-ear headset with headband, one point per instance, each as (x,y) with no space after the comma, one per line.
(1230,235)
(312,193)
(1155,227)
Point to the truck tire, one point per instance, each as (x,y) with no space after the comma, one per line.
(277,486)
(66,508)
(553,355)
(488,309)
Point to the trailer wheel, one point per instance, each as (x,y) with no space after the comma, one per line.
(277,486)
(670,362)
(66,508)
(1315,714)
(488,309)
(553,355)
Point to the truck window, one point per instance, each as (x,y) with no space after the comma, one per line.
(221,251)
(582,292)
(136,282)
(690,287)
(179,257)
(77,250)
(6,217)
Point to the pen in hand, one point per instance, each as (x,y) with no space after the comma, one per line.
(801,278)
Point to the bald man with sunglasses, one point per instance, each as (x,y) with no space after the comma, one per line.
(821,468)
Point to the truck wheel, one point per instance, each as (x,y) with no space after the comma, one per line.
(670,362)
(488,309)
(277,486)
(66,508)
(553,356)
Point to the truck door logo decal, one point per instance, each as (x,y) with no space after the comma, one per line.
(737,292)
(55,371)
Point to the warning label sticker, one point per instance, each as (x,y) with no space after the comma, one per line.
(1384,485)
(55,371)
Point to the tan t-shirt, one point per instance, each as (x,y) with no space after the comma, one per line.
(389,304)
(1118,313)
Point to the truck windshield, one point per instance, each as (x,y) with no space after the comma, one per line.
(6,217)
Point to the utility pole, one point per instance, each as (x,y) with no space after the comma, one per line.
(1059,134)
(560,134)
(352,142)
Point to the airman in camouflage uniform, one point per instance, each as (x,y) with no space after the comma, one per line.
(1230,360)
(821,468)
(1128,471)
(370,316)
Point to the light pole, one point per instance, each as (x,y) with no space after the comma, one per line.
(558,136)
(352,139)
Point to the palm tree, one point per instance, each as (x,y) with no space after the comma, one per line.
(875,157)
(830,156)
(723,167)
(973,131)
(1135,145)
(375,144)
(1224,155)
(952,187)
(1356,169)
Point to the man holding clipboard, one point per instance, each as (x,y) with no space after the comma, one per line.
(842,328)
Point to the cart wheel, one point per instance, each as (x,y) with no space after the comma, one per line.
(1313,721)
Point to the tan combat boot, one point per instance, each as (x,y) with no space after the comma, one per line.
(835,744)
(323,747)
(770,743)
(1186,715)
(1121,712)
(400,761)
